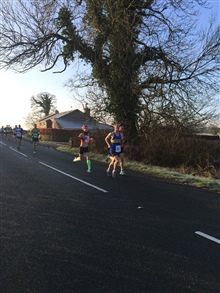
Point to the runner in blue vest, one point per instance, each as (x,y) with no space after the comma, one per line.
(113,141)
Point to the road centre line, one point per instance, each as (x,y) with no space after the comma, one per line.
(17,152)
(75,178)
(11,148)
(208,237)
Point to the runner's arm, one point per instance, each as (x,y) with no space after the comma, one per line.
(107,139)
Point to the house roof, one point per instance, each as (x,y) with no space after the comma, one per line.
(56,115)
(75,119)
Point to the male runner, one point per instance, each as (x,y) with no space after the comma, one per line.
(122,154)
(18,134)
(35,137)
(113,141)
(84,147)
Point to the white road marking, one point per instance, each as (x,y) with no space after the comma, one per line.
(208,237)
(17,152)
(75,178)
(11,148)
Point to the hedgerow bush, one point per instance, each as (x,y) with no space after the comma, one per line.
(189,154)
(71,136)
(52,134)
(158,147)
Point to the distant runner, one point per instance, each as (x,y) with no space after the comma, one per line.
(122,154)
(35,137)
(7,132)
(18,134)
(14,131)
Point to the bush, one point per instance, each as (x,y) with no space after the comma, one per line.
(158,147)
(71,136)
(170,149)
(52,134)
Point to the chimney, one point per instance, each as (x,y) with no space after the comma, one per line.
(86,110)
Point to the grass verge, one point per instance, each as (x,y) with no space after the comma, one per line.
(173,175)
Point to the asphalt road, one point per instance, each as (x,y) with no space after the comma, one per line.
(64,230)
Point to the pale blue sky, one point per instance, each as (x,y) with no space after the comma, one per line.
(16,89)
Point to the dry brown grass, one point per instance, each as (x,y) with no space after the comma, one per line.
(189,155)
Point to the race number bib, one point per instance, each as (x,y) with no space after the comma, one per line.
(86,138)
(117,148)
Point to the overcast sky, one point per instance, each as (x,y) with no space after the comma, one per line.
(16,89)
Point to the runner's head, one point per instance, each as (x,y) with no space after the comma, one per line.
(116,127)
(121,127)
(85,128)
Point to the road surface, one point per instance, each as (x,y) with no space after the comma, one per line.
(64,230)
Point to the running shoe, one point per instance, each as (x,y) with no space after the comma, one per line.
(76,159)
(113,174)
(107,158)
(89,171)
(108,173)
(122,172)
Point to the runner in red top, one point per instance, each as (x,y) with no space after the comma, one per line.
(122,154)
(84,147)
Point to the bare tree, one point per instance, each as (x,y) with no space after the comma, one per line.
(214,129)
(147,56)
(43,103)
(31,119)
(94,97)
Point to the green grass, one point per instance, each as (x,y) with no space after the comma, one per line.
(175,176)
